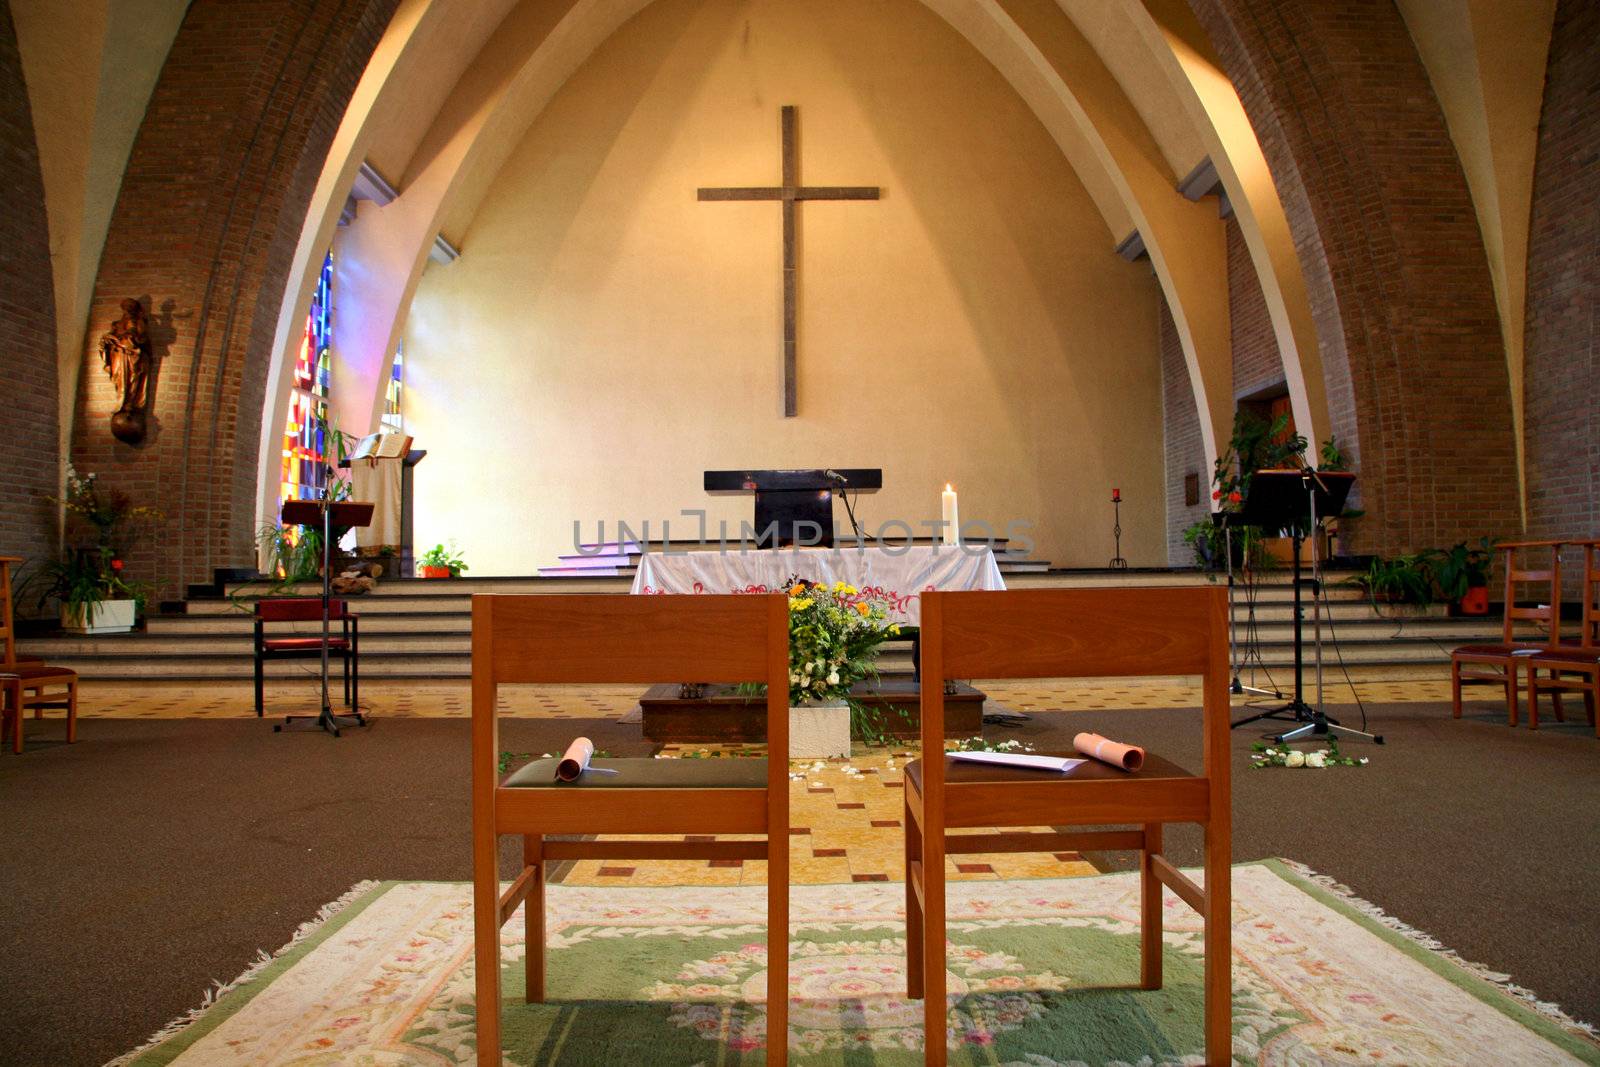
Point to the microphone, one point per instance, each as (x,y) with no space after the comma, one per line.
(836,476)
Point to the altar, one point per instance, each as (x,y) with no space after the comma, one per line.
(900,575)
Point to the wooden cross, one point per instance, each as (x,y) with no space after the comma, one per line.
(790,193)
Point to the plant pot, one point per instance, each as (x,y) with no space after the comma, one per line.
(107,617)
(1474,602)
(436,572)
(818,731)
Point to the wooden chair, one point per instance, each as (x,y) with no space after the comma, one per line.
(26,682)
(1063,633)
(1574,667)
(644,640)
(1501,663)
(345,644)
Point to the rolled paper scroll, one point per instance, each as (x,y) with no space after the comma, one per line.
(575,760)
(1127,757)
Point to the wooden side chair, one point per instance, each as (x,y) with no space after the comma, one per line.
(29,683)
(1051,633)
(345,643)
(644,640)
(1504,662)
(1572,667)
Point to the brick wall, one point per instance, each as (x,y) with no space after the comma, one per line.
(211,206)
(1185,453)
(1562,379)
(30,452)
(1257,362)
(1393,259)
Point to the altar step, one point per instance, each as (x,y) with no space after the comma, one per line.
(620,559)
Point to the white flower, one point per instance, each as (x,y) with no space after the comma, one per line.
(1295,759)
(1317,759)
(794,679)
(833,677)
(1362,761)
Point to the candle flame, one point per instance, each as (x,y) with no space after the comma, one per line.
(947,488)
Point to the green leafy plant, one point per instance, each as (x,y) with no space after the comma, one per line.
(109,513)
(81,579)
(1399,579)
(1331,457)
(446,558)
(1256,445)
(1461,567)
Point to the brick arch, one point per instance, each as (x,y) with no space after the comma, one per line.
(1393,259)
(30,447)
(204,228)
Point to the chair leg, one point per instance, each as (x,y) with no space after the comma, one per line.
(1555,705)
(533,917)
(72,711)
(1512,697)
(355,676)
(1218,943)
(1455,689)
(16,719)
(261,682)
(486,944)
(777,945)
(1150,910)
(346,658)
(935,1003)
(913,851)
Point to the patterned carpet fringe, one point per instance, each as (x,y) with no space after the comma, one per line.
(1528,997)
(263,960)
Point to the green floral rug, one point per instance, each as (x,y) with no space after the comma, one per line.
(1039,974)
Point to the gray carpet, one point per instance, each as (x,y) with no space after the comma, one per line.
(157,856)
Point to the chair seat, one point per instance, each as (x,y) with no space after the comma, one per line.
(648,774)
(302,644)
(1575,656)
(964,772)
(36,671)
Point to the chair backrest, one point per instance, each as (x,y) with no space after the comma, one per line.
(1590,637)
(1078,633)
(609,637)
(8,624)
(1547,604)
(298,609)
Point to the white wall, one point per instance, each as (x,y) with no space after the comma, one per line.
(605,337)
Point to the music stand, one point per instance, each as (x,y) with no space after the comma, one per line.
(1294,501)
(326,514)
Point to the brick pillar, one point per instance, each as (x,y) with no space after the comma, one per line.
(30,449)
(1562,372)
(211,206)
(1393,259)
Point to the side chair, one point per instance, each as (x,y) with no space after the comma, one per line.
(1572,667)
(26,682)
(1504,662)
(644,640)
(344,640)
(1052,633)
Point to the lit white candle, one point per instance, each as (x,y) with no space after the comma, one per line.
(952,517)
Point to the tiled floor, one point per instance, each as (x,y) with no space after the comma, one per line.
(149,700)
(845,819)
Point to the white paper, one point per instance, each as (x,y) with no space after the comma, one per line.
(1062,764)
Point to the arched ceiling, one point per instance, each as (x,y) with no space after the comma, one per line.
(455,87)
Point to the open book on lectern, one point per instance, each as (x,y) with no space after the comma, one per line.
(382,446)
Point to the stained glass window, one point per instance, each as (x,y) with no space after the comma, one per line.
(393,414)
(304,433)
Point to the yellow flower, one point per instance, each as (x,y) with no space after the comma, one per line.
(895,629)
(799,603)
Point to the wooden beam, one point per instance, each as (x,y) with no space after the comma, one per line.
(1179,883)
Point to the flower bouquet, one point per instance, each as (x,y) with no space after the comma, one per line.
(835,635)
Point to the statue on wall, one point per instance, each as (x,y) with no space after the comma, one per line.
(126,355)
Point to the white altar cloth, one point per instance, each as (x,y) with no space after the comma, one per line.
(898,575)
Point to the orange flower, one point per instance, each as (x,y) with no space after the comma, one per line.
(797,590)
(862,607)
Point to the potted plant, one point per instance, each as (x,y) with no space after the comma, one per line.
(94,597)
(442,562)
(1462,575)
(1406,580)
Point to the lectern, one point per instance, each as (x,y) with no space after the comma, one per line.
(795,507)
(326,514)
